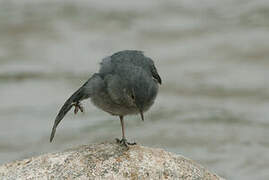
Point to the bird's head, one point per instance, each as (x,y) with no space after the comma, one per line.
(143,91)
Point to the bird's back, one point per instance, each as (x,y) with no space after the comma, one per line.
(111,64)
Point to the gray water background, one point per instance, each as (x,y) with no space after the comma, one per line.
(213,57)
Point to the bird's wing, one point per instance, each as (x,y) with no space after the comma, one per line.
(93,85)
(155,74)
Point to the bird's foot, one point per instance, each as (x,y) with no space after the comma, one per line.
(124,142)
(78,106)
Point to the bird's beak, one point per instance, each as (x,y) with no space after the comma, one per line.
(138,107)
(142,115)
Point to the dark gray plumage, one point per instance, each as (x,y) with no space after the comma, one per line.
(127,83)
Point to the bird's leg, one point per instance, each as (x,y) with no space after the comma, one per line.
(78,106)
(123,141)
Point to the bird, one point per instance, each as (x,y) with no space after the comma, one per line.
(127,83)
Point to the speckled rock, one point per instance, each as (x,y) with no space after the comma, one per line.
(106,161)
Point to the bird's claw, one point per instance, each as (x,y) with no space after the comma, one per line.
(124,142)
(78,107)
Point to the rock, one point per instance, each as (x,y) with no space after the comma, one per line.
(106,161)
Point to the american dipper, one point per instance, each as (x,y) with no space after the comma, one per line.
(127,83)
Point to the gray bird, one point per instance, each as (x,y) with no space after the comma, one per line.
(127,83)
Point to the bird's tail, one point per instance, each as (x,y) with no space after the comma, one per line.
(74,98)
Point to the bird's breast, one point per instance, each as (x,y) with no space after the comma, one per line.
(105,103)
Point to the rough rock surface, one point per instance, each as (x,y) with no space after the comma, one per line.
(106,161)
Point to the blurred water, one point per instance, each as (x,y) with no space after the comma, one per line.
(212,56)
